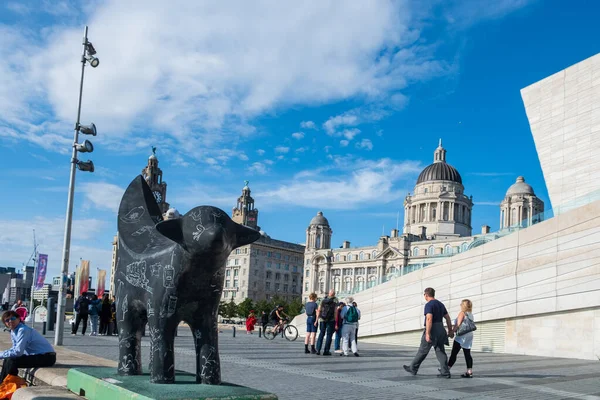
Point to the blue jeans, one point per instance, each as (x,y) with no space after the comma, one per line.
(338,338)
(94,323)
(328,327)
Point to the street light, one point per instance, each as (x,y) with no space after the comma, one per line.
(88,166)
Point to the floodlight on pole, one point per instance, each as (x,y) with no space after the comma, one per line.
(88,56)
(85,147)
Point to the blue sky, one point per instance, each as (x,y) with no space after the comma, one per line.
(329,105)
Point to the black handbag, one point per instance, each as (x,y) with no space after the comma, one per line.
(467,325)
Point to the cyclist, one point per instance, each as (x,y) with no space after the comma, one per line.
(278,318)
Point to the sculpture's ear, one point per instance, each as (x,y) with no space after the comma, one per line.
(171,228)
(245,235)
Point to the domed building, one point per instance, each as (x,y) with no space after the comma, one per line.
(437,224)
(520,207)
(438,208)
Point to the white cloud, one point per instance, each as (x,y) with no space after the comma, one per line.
(308,125)
(280,157)
(327,149)
(365,144)
(269,162)
(298,135)
(302,149)
(243,157)
(333,123)
(282,149)
(103,195)
(202,84)
(258,168)
(348,183)
(344,143)
(260,152)
(350,133)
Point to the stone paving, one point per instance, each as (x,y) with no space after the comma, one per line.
(281,367)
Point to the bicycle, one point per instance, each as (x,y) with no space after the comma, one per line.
(290,332)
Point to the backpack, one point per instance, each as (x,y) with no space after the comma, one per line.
(327,309)
(351,315)
(82,305)
(273,314)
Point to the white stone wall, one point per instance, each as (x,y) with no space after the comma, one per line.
(564,115)
(536,279)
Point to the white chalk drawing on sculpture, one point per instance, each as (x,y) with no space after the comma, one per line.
(198,334)
(196,215)
(134,215)
(136,275)
(199,231)
(124,309)
(150,309)
(216,215)
(171,305)
(209,362)
(142,230)
(155,269)
(128,364)
(169,277)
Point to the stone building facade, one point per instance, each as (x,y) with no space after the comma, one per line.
(263,269)
(437,225)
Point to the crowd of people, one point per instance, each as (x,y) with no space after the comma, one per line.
(101,315)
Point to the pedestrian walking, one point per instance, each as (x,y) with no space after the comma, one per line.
(357,323)
(105,315)
(434,335)
(250,322)
(94,310)
(339,322)
(311,323)
(463,341)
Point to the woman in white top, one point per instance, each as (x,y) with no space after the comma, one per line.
(464,342)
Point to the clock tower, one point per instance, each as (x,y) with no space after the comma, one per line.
(153,176)
(244,213)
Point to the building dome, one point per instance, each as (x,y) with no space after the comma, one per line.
(439,171)
(520,187)
(319,219)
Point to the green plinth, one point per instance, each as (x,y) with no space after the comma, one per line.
(102,383)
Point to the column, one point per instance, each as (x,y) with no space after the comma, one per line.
(451,211)
(501,215)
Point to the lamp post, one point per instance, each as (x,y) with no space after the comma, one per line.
(87,147)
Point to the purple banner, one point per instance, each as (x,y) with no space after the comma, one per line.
(40,274)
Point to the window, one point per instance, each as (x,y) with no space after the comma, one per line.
(321,286)
(307,273)
(269,254)
(337,257)
(278,265)
(233,294)
(431,251)
(318,242)
(255,272)
(372,270)
(307,262)
(268,297)
(245,260)
(269,274)
(465,247)
(361,256)
(349,257)
(360,284)
(336,284)
(244,271)
(228,272)
(269,264)
(347,271)
(360,271)
(236,261)
(285,288)
(277,286)
(287,258)
(268,285)
(448,249)
(286,277)
(336,272)
(306,287)
(348,285)
(373,254)
(415,252)
(277,276)
(236,272)
(235,283)
(287,267)
(425,191)
(372,282)
(227,283)
(295,268)
(237,251)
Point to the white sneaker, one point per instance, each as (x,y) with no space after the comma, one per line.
(338,351)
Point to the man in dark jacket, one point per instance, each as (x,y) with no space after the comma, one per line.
(434,335)
(326,318)
(81,308)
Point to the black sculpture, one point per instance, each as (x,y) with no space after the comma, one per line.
(167,272)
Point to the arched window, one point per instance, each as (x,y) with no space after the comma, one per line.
(336,284)
(373,254)
(307,273)
(349,257)
(415,252)
(464,246)
(361,256)
(448,249)
(337,257)
(430,251)
(372,282)
(360,284)
(348,285)
(318,242)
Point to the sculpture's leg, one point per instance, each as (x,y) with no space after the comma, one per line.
(208,365)
(162,358)
(130,357)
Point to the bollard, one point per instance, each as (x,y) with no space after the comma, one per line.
(234,331)
(51,313)
(44,328)
(259,331)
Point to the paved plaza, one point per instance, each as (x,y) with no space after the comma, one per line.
(281,367)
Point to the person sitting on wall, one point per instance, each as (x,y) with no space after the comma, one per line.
(30,349)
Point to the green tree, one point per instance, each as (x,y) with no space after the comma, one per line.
(231,309)
(262,305)
(243,309)
(222,308)
(295,307)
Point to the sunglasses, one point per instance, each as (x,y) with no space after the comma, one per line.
(11,319)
